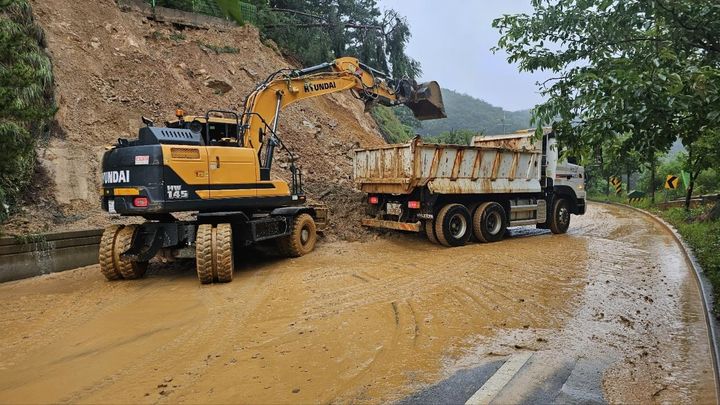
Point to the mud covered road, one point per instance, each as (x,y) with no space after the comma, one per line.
(609,312)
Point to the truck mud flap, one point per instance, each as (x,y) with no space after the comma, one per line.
(398,226)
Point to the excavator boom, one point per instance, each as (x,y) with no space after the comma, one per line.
(262,107)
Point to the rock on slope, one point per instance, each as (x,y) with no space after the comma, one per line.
(111,67)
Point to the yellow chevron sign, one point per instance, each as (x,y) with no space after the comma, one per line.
(672,182)
(617,183)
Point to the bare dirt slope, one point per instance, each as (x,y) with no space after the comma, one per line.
(112,67)
(373,322)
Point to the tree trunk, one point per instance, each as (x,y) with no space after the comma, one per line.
(691,186)
(607,186)
(652,179)
(688,194)
(627,169)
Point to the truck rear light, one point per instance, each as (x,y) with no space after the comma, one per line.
(373,200)
(140,202)
(414,204)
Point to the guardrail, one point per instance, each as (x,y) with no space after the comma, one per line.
(694,202)
(48,253)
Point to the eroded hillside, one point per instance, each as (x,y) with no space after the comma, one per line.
(112,67)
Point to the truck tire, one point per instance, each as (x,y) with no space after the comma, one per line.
(560,220)
(105,255)
(204,254)
(224,253)
(430,231)
(452,225)
(129,269)
(489,222)
(302,238)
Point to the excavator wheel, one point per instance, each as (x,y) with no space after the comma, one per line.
(129,269)
(430,231)
(204,254)
(302,238)
(223,251)
(107,263)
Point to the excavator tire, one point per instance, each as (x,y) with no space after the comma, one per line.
(107,263)
(129,269)
(204,254)
(430,231)
(224,253)
(302,238)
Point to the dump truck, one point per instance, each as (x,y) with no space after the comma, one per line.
(216,167)
(453,193)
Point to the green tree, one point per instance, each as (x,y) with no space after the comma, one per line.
(392,129)
(647,68)
(318,31)
(455,137)
(26,99)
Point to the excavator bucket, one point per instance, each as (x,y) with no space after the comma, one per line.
(426,102)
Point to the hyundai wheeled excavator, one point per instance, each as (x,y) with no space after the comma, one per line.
(217,167)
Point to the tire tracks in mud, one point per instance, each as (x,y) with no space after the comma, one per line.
(199,347)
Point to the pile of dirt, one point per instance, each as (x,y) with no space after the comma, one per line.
(112,67)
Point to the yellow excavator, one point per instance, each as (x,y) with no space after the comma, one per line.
(217,167)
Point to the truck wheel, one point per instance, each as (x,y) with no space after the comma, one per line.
(430,231)
(129,269)
(489,223)
(302,238)
(105,256)
(560,221)
(224,253)
(452,225)
(204,254)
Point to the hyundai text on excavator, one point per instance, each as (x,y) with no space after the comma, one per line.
(217,167)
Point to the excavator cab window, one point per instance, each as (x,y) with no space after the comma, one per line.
(221,134)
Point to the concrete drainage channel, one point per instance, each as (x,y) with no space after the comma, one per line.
(49,253)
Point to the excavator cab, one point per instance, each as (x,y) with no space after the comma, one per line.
(216,128)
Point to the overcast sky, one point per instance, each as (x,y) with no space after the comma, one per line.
(452,41)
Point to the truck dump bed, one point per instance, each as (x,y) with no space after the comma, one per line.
(498,164)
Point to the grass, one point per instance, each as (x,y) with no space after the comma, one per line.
(703,236)
(177,36)
(704,239)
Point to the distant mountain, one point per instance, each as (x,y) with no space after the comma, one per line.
(468,113)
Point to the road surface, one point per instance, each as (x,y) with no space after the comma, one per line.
(609,312)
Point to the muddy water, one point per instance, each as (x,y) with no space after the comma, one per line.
(367,321)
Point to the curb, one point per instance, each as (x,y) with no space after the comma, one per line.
(704,287)
(47,253)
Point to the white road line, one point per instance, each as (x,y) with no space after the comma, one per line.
(499,380)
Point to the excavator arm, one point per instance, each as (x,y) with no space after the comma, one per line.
(262,107)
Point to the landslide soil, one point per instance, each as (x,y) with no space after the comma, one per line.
(112,67)
(368,322)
